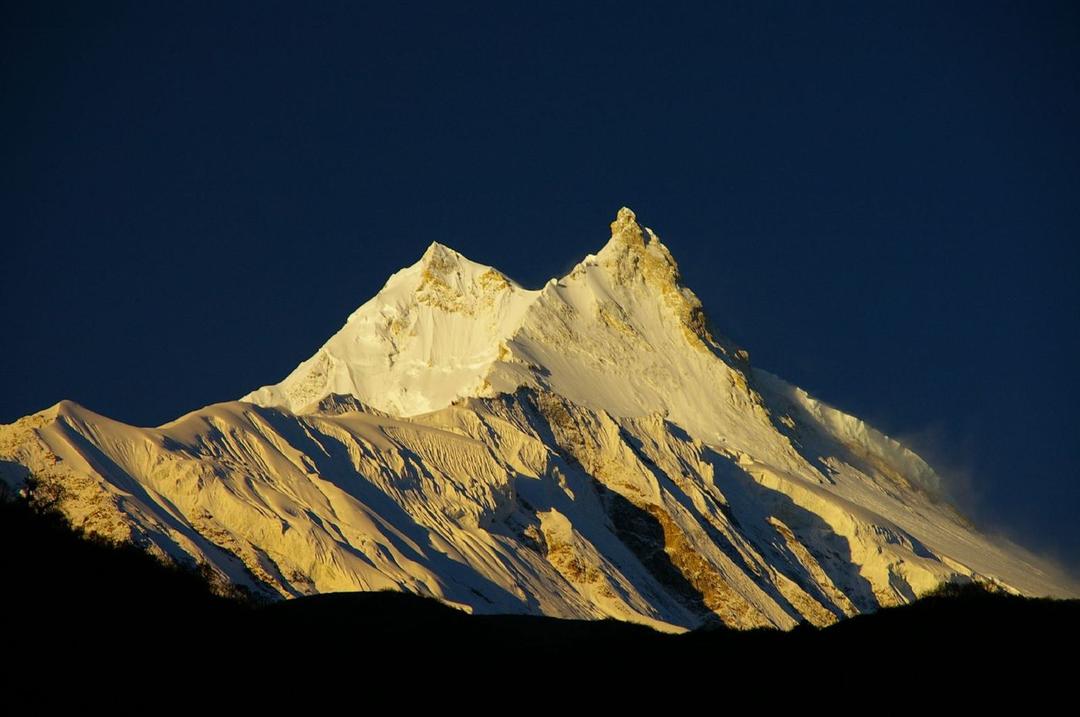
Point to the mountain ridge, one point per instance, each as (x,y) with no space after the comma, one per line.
(587,449)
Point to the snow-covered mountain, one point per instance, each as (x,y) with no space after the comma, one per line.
(587,449)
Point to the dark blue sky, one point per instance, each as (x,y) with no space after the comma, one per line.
(882,203)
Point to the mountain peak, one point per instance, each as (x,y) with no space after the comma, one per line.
(634,251)
(626,230)
(447,275)
(438,248)
(439,257)
(592,407)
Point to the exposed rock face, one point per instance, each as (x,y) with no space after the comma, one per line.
(588,449)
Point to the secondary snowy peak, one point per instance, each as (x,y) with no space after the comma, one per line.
(424,340)
(449,280)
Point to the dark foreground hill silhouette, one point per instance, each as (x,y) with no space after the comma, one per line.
(69,595)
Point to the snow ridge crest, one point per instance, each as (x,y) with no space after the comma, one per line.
(448,327)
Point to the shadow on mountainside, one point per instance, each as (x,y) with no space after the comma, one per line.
(639,529)
(92,605)
(752,504)
(330,460)
(772,546)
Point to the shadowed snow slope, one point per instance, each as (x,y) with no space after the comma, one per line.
(588,449)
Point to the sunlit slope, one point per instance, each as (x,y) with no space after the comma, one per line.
(587,449)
